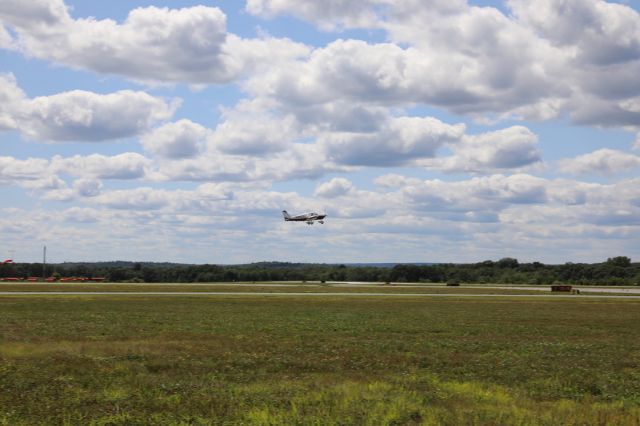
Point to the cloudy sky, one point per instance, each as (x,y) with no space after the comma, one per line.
(428,130)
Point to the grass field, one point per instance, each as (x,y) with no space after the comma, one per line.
(259,288)
(327,360)
(309,287)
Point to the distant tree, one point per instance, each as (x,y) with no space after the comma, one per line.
(150,275)
(622,261)
(507,262)
(117,274)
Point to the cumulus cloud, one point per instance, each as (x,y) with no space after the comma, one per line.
(152,44)
(247,131)
(13,170)
(401,140)
(486,213)
(260,141)
(129,165)
(46,178)
(87,116)
(328,14)
(11,102)
(331,110)
(81,215)
(5,38)
(575,57)
(393,180)
(477,197)
(87,187)
(300,161)
(336,187)
(143,198)
(201,200)
(444,65)
(604,33)
(506,149)
(603,161)
(79,115)
(182,139)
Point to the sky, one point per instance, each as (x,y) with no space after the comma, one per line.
(427,130)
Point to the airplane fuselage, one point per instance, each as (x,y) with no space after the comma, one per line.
(305,217)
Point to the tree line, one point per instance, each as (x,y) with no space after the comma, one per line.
(614,271)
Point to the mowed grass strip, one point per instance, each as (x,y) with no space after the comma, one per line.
(144,360)
(257,288)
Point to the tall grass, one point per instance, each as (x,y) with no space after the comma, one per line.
(83,360)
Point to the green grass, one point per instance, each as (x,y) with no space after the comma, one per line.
(294,287)
(125,360)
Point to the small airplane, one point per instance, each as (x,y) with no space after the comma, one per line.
(305,217)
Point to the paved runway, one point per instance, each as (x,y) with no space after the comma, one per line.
(252,294)
(355,284)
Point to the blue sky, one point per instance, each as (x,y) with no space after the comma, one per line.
(429,131)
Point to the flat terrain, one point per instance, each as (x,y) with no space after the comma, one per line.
(119,359)
(248,288)
(298,287)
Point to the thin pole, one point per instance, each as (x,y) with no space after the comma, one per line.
(44,262)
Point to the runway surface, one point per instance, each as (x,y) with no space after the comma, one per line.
(355,284)
(337,294)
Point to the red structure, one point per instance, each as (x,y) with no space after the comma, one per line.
(561,287)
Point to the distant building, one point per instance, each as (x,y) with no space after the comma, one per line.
(561,287)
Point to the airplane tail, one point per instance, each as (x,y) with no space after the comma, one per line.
(286,215)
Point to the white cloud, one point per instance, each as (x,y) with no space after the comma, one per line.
(603,161)
(143,198)
(182,139)
(81,215)
(13,170)
(476,61)
(444,65)
(393,180)
(87,116)
(42,177)
(604,33)
(152,44)
(259,141)
(336,187)
(252,144)
(87,187)
(5,38)
(523,213)
(477,197)
(310,114)
(11,99)
(327,14)
(575,57)
(399,141)
(247,131)
(506,149)
(79,115)
(128,165)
